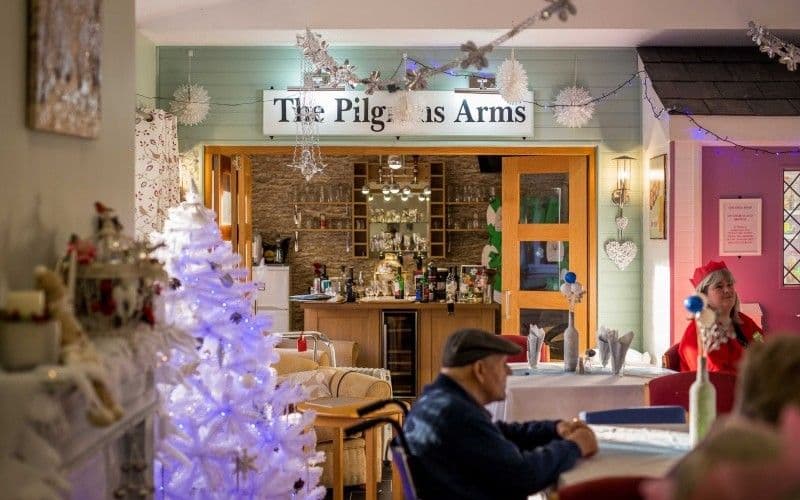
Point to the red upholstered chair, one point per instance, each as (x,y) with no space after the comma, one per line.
(671,359)
(673,389)
(523,343)
(605,488)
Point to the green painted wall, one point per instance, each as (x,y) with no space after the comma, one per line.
(239,74)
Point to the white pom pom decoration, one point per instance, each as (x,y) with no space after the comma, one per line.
(190,104)
(570,110)
(512,81)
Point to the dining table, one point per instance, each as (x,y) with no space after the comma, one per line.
(547,392)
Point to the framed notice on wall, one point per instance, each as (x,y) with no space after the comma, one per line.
(740,226)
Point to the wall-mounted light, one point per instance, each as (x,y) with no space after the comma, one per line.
(620,196)
(621,251)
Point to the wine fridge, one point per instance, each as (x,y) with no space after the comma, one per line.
(399,349)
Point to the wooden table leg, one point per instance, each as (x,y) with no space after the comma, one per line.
(338,463)
(371,486)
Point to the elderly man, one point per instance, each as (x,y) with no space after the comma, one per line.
(459,453)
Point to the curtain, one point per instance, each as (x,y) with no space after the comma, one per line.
(157,172)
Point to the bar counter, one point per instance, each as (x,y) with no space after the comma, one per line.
(363,322)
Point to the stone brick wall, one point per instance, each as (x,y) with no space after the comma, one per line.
(276,188)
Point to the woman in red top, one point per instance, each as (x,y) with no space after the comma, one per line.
(734,331)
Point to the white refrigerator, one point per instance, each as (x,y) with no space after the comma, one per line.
(272,295)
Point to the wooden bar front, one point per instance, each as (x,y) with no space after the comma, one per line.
(361,322)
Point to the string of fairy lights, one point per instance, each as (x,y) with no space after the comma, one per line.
(416,72)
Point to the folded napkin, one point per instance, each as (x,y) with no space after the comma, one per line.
(602,343)
(535,341)
(619,348)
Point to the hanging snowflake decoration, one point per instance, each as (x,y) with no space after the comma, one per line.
(190,104)
(407,109)
(512,80)
(572,107)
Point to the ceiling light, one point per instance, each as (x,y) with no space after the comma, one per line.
(394,189)
(387,197)
(421,197)
(385,189)
(364,189)
(426,191)
(404,197)
(406,190)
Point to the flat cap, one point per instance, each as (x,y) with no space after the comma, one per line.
(466,346)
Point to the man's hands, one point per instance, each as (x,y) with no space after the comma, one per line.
(578,432)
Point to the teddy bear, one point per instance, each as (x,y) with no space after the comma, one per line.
(76,347)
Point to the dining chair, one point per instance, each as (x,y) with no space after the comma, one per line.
(605,488)
(673,389)
(671,358)
(521,341)
(668,414)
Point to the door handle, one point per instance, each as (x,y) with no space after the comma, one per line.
(507,304)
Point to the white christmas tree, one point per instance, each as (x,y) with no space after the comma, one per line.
(227,431)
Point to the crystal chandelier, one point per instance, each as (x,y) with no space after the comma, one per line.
(398,180)
(307,157)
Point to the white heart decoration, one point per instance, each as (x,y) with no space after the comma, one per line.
(621,253)
(622,223)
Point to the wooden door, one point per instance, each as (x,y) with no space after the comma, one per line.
(228,191)
(546,231)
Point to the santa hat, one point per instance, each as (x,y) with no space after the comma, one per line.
(701,272)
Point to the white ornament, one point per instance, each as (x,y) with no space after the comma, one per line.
(621,253)
(572,107)
(512,81)
(407,109)
(190,104)
(622,222)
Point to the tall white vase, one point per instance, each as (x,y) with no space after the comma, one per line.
(570,345)
(702,403)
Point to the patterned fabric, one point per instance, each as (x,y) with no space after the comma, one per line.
(157,177)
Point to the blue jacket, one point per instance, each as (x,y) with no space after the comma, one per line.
(457,452)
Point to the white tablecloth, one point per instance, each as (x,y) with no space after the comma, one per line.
(550,393)
(631,451)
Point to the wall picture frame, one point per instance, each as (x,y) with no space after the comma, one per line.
(64,80)
(740,226)
(657,200)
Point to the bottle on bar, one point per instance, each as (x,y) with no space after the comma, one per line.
(431,282)
(451,290)
(349,289)
(399,285)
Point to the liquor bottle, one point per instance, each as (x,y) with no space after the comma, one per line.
(423,288)
(302,345)
(451,290)
(399,286)
(431,282)
(350,292)
(451,286)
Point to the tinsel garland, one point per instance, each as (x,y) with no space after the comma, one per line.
(771,45)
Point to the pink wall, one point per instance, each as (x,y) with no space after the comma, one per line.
(730,173)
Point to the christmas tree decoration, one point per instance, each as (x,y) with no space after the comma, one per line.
(512,80)
(227,428)
(190,102)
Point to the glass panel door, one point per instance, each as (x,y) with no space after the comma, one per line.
(545,233)
(791,227)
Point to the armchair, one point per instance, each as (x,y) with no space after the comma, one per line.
(345,382)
